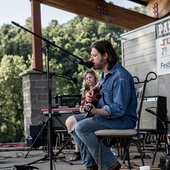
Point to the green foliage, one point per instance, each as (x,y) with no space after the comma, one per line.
(140,9)
(75,37)
(11,99)
(15,41)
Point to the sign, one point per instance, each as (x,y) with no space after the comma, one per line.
(163,47)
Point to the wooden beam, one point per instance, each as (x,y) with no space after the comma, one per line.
(158,9)
(102,11)
(36,42)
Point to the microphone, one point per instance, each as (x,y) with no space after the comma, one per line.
(50,74)
(88,64)
(74,80)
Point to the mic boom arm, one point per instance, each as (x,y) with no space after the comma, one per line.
(80,60)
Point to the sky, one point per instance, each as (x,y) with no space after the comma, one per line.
(19,10)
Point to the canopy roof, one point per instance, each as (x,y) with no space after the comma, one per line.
(101,10)
(106,11)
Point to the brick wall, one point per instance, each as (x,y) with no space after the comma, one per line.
(35,96)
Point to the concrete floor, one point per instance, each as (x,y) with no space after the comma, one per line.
(14,159)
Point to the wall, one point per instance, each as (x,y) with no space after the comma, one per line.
(139,57)
(35,93)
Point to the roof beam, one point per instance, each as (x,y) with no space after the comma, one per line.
(140,2)
(102,11)
(158,9)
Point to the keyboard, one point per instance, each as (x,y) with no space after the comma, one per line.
(61,110)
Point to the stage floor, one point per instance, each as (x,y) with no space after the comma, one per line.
(11,158)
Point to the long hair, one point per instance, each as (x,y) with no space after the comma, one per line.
(85,86)
(103,47)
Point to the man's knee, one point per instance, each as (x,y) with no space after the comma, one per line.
(79,127)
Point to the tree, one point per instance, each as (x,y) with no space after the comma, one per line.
(15,41)
(11,99)
(75,37)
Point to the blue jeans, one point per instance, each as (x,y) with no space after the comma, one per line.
(84,136)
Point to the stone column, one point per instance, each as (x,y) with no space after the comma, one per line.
(35,96)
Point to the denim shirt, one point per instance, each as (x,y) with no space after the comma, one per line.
(118,98)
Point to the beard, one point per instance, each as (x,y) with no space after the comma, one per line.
(99,65)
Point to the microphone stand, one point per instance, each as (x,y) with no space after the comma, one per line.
(74,80)
(49,86)
(80,61)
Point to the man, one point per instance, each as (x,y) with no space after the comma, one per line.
(116,108)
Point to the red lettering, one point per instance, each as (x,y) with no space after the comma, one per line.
(165,41)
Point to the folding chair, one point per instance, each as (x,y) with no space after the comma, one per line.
(160,134)
(126,135)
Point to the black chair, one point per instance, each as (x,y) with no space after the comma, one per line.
(160,135)
(126,136)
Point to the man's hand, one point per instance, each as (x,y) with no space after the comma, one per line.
(88,109)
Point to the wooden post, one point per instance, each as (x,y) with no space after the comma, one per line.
(36,28)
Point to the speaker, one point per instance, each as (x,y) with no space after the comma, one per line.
(67,100)
(35,134)
(149,121)
(59,120)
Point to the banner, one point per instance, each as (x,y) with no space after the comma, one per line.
(163,47)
